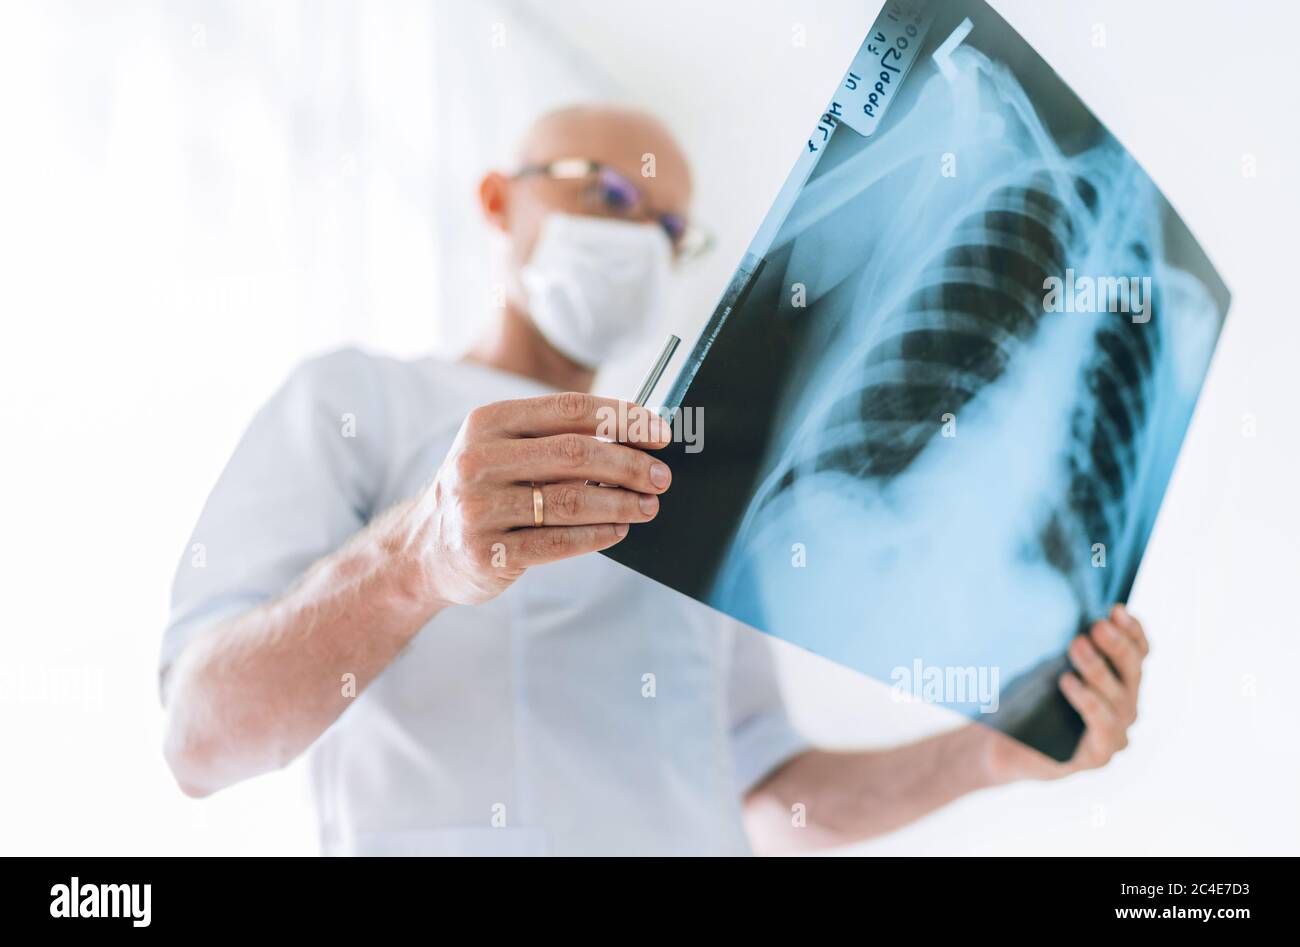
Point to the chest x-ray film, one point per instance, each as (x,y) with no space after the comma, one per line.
(942,396)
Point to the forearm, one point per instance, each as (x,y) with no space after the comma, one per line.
(851,796)
(249,695)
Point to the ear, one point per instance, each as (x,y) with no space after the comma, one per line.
(494,199)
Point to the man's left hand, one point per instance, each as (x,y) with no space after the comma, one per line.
(1103,688)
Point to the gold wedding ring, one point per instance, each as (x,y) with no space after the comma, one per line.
(538,506)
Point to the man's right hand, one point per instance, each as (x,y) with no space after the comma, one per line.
(473,528)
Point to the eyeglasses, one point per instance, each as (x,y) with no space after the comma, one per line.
(610,193)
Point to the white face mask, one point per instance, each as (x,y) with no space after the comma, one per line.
(594,287)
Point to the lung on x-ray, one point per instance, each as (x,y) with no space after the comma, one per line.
(943,394)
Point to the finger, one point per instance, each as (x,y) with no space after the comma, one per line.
(573,412)
(535,547)
(575,457)
(1127,623)
(574,504)
(1092,667)
(1103,734)
(1120,649)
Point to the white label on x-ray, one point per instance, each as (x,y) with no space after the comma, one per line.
(878,70)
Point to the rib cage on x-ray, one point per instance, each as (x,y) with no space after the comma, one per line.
(974,305)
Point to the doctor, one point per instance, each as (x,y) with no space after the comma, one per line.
(394,573)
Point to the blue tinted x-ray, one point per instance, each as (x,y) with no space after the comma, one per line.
(944,392)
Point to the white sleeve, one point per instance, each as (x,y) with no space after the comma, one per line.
(300,483)
(762,736)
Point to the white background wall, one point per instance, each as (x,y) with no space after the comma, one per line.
(194,196)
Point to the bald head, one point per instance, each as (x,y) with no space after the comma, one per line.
(632,142)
